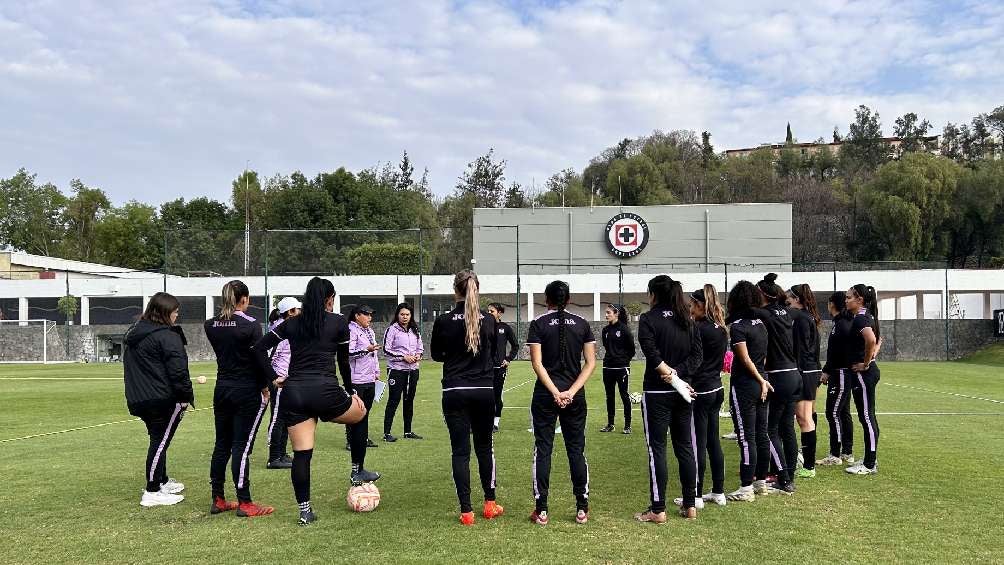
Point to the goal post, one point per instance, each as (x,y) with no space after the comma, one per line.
(26,341)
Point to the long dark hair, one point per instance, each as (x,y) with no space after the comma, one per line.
(557,294)
(314,298)
(808,300)
(233,292)
(870,299)
(771,289)
(160,307)
(412,324)
(743,297)
(839,300)
(274,316)
(669,293)
(622,315)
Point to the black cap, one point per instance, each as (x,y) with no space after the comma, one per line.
(362,309)
(698,295)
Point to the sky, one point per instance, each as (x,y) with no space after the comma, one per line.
(159,100)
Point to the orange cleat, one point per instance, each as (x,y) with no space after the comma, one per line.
(220,505)
(251,509)
(492,510)
(467,518)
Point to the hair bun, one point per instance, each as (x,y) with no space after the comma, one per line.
(771,277)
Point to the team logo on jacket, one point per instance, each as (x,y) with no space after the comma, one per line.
(627,234)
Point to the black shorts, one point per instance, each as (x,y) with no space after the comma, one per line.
(810,382)
(324,399)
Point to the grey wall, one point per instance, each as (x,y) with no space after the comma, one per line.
(739,233)
(904,340)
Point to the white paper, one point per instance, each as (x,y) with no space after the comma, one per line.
(681,387)
(380,387)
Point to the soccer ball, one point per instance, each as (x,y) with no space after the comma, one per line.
(635,398)
(363,498)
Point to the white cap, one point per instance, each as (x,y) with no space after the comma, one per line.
(287,304)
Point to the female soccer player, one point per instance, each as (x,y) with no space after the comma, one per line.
(837,378)
(619,346)
(863,302)
(278,436)
(558,342)
(785,380)
(365,371)
(805,336)
(748,390)
(506,337)
(402,344)
(673,353)
(311,391)
(464,340)
(239,400)
(707,382)
(158,390)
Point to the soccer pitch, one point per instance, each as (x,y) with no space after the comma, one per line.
(74,496)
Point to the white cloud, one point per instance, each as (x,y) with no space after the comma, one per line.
(158,101)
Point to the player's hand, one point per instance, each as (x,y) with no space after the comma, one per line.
(765,387)
(264,393)
(505,363)
(668,377)
(858,367)
(373,347)
(824,378)
(279,382)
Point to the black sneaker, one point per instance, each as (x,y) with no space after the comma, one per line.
(411,435)
(607,428)
(370,443)
(281,462)
(348,446)
(307,518)
(363,476)
(495,429)
(627,430)
(389,438)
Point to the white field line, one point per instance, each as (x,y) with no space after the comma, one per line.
(947,393)
(85,427)
(514,387)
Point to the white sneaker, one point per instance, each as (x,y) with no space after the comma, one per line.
(716,498)
(801,460)
(760,488)
(742,494)
(159,498)
(725,414)
(172,487)
(698,502)
(730,435)
(557,430)
(860,469)
(848,458)
(830,460)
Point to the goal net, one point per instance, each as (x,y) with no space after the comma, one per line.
(27,341)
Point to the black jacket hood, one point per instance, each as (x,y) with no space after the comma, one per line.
(143,329)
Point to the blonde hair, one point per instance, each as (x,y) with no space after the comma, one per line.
(233,292)
(713,308)
(466,284)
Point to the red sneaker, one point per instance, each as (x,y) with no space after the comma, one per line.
(492,510)
(581,516)
(251,509)
(220,505)
(467,518)
(539,518)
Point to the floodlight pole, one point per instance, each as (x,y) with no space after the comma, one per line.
(247,218)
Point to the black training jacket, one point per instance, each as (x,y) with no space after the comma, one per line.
(449,344)
(780,350)
(506,337)
(618,343)
(237,364)
(663,339)
(155,365)
(714,344)
(838,344)
(805,337)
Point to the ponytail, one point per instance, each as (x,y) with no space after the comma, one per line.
(808,300)
(770,288)
(274,316)
(669,293)
(557,294)
(315,298)
(233,292)
(713,308)
(466,284)
(622,315)
(869,297)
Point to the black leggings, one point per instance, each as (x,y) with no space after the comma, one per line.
(749,416)
(618,377)
(662,411)
(864,399)
(838,412)
(468,413)
(572,418)
(706,408)
(781,422)
(498,383)
(401,383)
(161,422)
(278,433)
(238,412)
(358,434)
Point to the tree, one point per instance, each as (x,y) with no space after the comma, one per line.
(131,236)
(83,212)
(246,189)
(388,259)
(708,157)
(977,222)
(405,170)
(484,179)
(951,142)
(788,138)
(912,132)
(640,182)
(31,215)
(864,148)
(515,197)
(836,135)
(789,162)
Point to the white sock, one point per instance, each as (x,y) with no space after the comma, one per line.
(496,421)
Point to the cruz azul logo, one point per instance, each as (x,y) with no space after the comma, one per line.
(627,234)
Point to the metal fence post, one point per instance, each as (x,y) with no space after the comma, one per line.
(948,355)
(421,284)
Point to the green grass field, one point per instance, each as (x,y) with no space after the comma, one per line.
(73,497)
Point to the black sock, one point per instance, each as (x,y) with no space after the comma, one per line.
(301,475)
(815,419)
(809,450)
